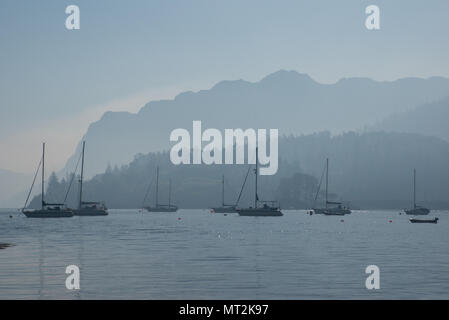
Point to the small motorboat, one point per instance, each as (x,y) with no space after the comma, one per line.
(414,220)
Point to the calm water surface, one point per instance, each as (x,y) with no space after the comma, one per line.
(193,254)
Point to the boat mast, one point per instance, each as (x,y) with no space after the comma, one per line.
(243,186)
(43,173)
(157,187)
(414,188)
(81,177)
(256,171)
(169,192)
(327,177)
(222,192)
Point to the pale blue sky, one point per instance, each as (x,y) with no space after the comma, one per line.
(54,82)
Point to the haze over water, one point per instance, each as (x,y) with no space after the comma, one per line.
(130,255)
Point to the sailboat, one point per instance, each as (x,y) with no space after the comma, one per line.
(416,210)
(86,208)
(268,208)
(225,208)
(338,210)
(47,210)
(162,207)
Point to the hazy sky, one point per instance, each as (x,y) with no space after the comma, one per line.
(54,82)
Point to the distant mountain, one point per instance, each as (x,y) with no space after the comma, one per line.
(369,170)
(292,102)
(12,188)
(429,119)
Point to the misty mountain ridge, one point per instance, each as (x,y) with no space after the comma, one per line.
(292,102)
(429,119)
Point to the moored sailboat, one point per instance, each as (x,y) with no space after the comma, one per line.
(162,207)
(416,210)
(88,208)
(225,208)
(268,208)
(338,209)
(47,210)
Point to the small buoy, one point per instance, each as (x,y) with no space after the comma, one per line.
(179,218)
(391,221)
(342,220)
(211,211)
(10,217)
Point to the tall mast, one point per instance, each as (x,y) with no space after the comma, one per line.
(327,177)
(43,173)
(157,186)
(222,192)
(256,171)
(169,192)
(414,188)
(81,177)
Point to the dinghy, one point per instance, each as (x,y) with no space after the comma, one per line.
(414,220)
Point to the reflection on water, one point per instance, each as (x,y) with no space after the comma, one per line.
(211,256)
(41,265)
